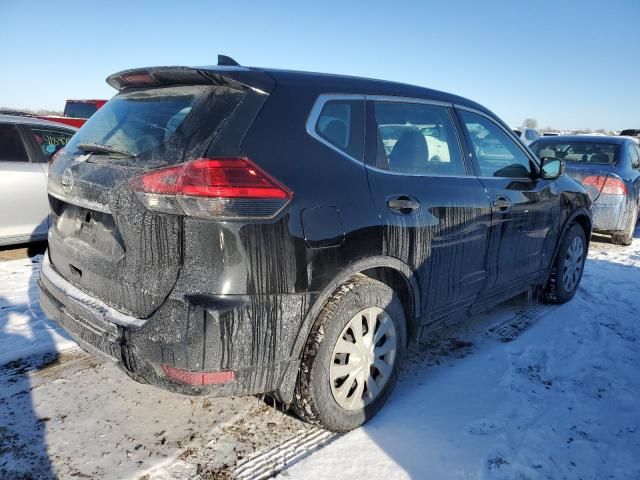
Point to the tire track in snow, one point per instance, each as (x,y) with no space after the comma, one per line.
(512,328)
(270,462)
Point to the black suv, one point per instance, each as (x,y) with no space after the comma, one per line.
(229,231)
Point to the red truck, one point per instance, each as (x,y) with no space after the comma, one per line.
(76,112)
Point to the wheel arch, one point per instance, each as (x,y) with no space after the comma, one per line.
(583,218)
(389,270)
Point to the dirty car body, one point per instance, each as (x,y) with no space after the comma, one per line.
(609,169)
(216,291)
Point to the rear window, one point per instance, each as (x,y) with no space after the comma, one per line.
(143,121)
(79,109)
(579,152)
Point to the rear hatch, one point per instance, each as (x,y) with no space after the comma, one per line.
(103,239)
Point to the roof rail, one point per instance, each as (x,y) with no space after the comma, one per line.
(227,61)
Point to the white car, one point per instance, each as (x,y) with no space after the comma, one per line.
(527,135)
(26,146)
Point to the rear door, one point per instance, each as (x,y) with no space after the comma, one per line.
(525,208)
(23,188)
(435,211)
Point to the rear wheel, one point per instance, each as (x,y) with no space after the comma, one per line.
(352,357)
(626,237)
(568,266)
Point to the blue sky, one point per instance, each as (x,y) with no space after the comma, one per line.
(568,64)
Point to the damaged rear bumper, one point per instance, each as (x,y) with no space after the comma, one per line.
(198,346)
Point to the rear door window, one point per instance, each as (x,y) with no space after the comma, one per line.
(50,140)
(12,148)
(498,155)
(341,124)
(417,139)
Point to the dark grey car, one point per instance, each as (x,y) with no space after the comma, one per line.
(609,169)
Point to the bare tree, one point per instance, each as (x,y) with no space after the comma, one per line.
(530,123)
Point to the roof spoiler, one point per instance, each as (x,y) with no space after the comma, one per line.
(232,76)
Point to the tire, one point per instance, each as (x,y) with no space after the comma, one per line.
(626,237)
(322,401)
(566,271)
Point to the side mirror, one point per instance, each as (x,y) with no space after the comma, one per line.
(551,168)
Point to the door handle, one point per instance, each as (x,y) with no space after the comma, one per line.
(404,204)
(502,203)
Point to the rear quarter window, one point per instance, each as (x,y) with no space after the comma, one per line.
(340,124)
(50,140)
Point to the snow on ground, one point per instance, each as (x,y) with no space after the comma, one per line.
(558,401)
(66,414)
(24,330)
(524,391)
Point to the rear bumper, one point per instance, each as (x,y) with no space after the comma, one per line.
(610,213)
(201,335)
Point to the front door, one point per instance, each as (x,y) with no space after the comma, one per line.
(435,211)
(525,208)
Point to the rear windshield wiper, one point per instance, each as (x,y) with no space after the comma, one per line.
(103,148)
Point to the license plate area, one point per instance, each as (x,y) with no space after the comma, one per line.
(94,228)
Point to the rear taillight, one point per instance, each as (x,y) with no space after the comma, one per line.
(222,188)
(606,185)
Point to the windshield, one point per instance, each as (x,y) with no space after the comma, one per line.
(140,121)
(580,152)
(79,109)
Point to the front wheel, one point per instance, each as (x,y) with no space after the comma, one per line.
(568,266)
(351,360)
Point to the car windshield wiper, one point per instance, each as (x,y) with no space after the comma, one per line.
(103,148)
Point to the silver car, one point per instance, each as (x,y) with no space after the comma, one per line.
(27,144)
(527,135)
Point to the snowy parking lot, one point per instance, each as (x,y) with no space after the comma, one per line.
(523,391)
